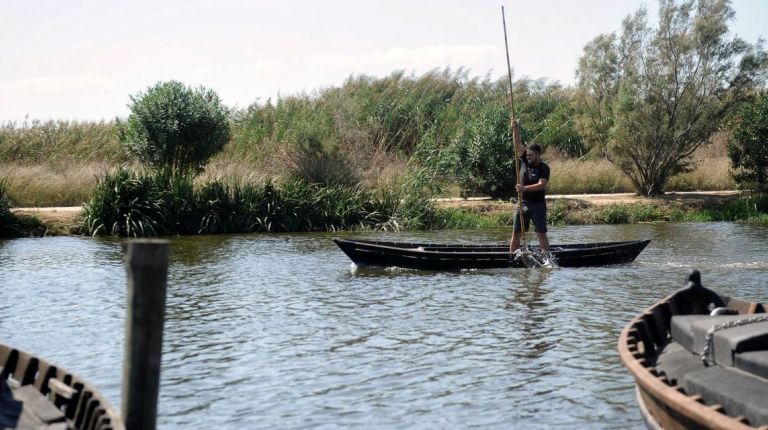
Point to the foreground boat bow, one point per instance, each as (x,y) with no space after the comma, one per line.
(700,360)
(429,256)
(51,397)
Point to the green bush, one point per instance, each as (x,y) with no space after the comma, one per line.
(616,214)
(9,224)
(557,212)
(175,126)
(749,148)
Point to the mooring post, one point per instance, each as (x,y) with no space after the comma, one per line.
(146,261)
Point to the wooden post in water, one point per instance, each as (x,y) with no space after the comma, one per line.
(146,261)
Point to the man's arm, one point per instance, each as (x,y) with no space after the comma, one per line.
(538,186)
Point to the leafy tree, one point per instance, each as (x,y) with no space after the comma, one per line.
(749,148)
(481,153)
(172,125)
(647,99)
(545,110)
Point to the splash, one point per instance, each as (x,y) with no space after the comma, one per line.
(535,257)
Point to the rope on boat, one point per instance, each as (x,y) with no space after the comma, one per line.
(709,340)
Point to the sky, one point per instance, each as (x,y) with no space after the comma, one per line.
(83,59)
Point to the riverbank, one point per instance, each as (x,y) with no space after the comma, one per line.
(564,208)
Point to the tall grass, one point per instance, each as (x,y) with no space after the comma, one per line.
(369,132)
(59,141)
(169,203)
(571,176)
(751,209)
(52,184)
(709,174)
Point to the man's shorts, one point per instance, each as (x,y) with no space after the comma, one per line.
(533,211)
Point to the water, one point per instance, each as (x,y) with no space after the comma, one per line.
(280,331)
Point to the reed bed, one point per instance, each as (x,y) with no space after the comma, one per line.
(73,183)
(168,203)
(573,176)
(60,141)
(52,184)
(709,174)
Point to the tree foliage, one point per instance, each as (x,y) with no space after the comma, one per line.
(749,148)
(172,125)
(647,99)
(453,126)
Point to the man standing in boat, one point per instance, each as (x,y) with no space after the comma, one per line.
(535,174)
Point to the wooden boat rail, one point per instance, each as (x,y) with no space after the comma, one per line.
(671,407)
(83,406)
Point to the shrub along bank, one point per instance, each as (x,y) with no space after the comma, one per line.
(167,202)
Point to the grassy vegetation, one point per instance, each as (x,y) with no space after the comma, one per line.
(169,202)
(59,142)
(15,226)
(368,132)
(572,212)
(368,154)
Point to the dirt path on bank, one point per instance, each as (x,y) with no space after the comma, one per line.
(694,198)
(68,215)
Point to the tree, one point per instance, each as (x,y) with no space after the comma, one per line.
(649,98)
(749,148)
(544,108)
(172,125)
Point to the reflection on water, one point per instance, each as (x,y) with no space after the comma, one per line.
(279,331)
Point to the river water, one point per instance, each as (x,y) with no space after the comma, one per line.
(281,331)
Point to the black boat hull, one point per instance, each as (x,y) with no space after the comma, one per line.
(428,256)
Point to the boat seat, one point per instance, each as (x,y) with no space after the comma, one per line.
(755,362)
(738,392)
(691,332)
(674,361)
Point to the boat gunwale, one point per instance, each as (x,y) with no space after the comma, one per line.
(88,391)
(415,249)
(686,405)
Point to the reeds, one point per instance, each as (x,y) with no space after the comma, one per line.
(572,176)
(51,184)
(169,203)
(59,141)
(369,132)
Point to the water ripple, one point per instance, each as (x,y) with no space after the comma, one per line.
(277,331)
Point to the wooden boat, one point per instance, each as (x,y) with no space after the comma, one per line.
(455,257)
(52,397)
(700,360)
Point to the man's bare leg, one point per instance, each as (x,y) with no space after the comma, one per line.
(514,244)
(543,241)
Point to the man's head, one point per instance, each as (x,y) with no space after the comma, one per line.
(533,154)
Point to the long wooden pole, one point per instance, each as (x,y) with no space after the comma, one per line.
(518,177)
(146,262)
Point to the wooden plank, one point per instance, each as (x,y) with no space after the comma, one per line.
(38,411)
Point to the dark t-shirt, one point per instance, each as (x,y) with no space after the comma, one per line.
(531,175)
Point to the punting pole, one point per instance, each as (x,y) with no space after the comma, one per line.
(518,178)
